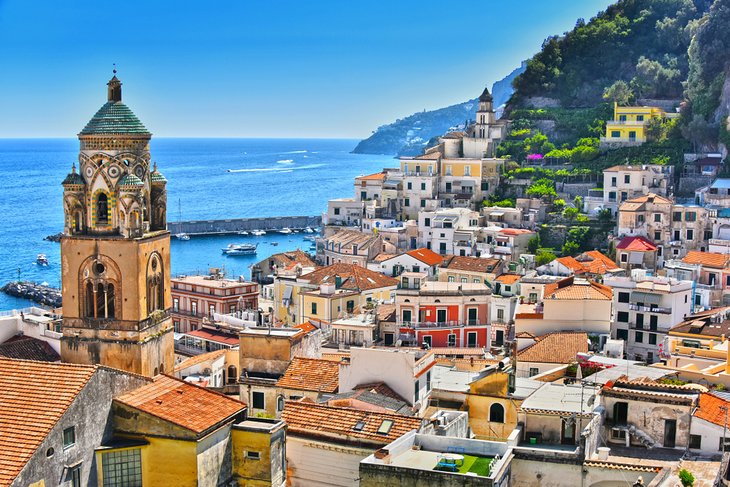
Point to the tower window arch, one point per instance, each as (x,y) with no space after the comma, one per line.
(102,209)
(155,284)
(99,281)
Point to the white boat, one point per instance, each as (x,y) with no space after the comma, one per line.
(180,235)
(311,238)
(243,232)
(258,233)
(308,230)
(41,260)
(285,231)
(240,249)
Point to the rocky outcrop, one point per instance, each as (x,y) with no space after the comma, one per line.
(38,293)
(409,136)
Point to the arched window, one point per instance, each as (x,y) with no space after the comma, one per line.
(496,413)
(99,287)
(102,209)
(280,403)
(78,222)
(100,300)
(155,284)
(232,374)
(90,300)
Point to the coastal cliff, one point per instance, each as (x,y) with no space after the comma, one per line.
(410,135)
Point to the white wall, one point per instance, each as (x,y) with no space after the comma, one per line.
(312,462)
(710,433)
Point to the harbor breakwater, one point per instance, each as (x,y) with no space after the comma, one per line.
(38,293)
(235,225)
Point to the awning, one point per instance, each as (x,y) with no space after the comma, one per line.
(287,293)
(497,213)
(636,258)
(646,298)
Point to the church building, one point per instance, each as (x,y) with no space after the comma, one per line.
(115,250)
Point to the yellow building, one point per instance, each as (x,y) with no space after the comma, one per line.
(493,407)
(115,250)
(629,123)
(170,432)
(329,293)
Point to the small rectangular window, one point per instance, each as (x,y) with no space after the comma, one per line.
(253,455)
(534,371)
(622,316)
(623,297)
(74,475)
(695,441)
(359,426)
(314,308)
(69,437)
(258,400)
(385,427)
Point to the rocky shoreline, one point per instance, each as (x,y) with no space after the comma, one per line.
(38,293)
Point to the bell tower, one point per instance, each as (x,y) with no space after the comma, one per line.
(115,250)
(485,115)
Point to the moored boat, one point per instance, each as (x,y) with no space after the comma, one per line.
(240,249)
(42,259)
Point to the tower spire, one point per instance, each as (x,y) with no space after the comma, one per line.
(114,87)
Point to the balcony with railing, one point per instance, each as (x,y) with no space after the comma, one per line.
(419,325)
(650,309)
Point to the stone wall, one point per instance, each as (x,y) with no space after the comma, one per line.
(222,227)
(90,415)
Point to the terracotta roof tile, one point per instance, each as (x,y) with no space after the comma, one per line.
(341,424)
(509,278)
(569,290)
(709,259)
(288,259)
(637,244)
(34,396)
(427,256)
(454,351)
(307,327)
(379,388)
(199,359)
(181,403)
(711,408)
(472,264)
(354,277)
(215,336)
(29,348)
(311,374)
(378,176)
(515,231)
(555,348)
(592,262)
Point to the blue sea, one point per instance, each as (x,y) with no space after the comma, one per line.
(267,177)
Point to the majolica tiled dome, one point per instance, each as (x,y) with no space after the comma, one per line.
(114,117)
(130,180)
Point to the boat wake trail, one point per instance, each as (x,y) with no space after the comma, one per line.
(276,169)
(285,161)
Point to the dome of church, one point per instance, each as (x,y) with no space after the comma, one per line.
(130,180)
(114,117)
(485,96)
(157,177)
(73,178)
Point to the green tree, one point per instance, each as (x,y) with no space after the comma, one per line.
(534,244)
(570,213)
(559,204)
(686,477)
(544,256)
(570,248)
(538,144)
(542,188)
(620,93)
(578,201)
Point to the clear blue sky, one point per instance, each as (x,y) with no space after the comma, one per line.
(236,68)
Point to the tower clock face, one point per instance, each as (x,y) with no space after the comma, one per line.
(89,172)
(114,171)
(139,172)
